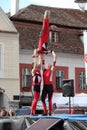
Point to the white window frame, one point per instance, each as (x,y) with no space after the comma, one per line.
(60,77)
(82,82)
(54,36)
(24,77)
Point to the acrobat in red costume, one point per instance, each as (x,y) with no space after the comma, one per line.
(47,84)
(44,36)
(43,41)
(36,82)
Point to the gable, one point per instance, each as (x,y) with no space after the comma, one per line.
(6,24)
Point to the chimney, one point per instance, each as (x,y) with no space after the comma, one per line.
(14,7)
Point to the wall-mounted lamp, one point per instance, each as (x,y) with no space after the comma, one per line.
(81,4)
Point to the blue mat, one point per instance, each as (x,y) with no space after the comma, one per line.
(64,117)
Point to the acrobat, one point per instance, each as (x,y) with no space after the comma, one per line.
(44,36)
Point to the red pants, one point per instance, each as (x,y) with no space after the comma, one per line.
(34,103)
(44,36)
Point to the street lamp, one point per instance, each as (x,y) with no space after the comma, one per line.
(81,4)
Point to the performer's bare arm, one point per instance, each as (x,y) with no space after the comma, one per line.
(54,61)
(41,56)
(34,65)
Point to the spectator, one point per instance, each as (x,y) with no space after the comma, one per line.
(3,112)
(11,112)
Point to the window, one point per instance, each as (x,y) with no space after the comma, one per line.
(80,80)
(59,78)
(61,73)
(54,36)
(26,78)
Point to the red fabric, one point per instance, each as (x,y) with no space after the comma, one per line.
(47,77)
(34,103)
(44,35)
(54,63)
(43,62)
(37,72)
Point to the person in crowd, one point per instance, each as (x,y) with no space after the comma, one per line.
(11,112)
(3,112)
(47,83)
(44,36)
(36,83)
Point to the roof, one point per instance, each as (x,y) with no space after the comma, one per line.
(59,16)
(70,23)
(6,24)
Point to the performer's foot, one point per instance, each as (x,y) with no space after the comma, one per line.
(44,114)
(49,114)
(47,14)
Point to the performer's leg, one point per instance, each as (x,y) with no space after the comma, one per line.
(43,41)
(50,94)
(43,97)
(34,103)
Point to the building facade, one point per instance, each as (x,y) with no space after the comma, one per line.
(9,60)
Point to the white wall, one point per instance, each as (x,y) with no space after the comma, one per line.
(63,59)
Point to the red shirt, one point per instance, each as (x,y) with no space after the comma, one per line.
(47,77)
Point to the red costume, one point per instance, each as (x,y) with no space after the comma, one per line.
(36,82)
(43,41)
(47,87)
(47,90)
(47,77)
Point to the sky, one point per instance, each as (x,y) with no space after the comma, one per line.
(5,4)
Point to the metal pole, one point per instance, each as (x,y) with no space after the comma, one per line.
(69,105)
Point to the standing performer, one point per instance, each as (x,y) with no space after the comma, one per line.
(36,82)
(47,83)
(43,40)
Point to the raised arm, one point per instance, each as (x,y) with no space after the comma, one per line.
(54,60)
(42,61)
(34,65)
